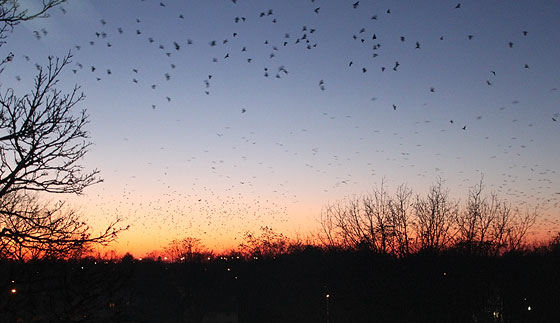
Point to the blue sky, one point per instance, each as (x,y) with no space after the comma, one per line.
(297,147)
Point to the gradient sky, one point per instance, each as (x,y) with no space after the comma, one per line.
(183,159)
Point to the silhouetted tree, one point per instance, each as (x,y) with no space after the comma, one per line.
(12,14)
(268,244)
(42,140)
(377,219)
(475,221)
(344,225)
(554,245)
(490,225)
(32,230)
(435,215)
(377,222)
(400,208)
(187,249)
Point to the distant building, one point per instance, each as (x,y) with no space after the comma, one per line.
(220,317)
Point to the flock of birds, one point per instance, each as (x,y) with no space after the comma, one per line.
(305,39)
(171,208)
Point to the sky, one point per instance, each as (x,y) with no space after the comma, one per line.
(210,119)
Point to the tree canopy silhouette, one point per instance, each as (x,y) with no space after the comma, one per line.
(42,140)
(401,224)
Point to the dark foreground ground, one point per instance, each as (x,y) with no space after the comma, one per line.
(362,287)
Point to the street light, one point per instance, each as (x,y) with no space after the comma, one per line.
(327,298)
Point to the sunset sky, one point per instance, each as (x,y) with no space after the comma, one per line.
(192,137)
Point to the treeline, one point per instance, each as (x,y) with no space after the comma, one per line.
(405,223)
(362,286)
(398,225)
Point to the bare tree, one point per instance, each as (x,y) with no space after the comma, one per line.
(268,244)
(519,227)
(12,14)
(434,218)
(32,230)
(187,249)
(42,140)
(41,144)
(365,222)
(401,219)
(377,219)
(344,225)
(474,222)
(399,224)
(490,225)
